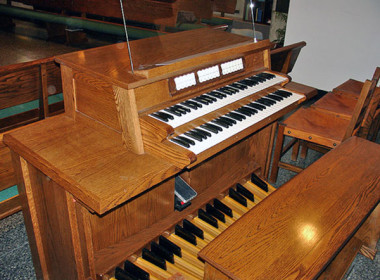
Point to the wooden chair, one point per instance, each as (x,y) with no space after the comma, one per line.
(283,59)
(343,99)
(322,131)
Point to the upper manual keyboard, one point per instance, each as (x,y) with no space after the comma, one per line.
(196,107)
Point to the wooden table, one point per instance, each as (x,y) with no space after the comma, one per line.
(300,228)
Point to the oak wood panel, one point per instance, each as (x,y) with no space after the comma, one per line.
(103,174)
(7,175)
(200,8)
(308,91)
(351,87)
(112,64)
(336,104)
(96,99)
(301,226)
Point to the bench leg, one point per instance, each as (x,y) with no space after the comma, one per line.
(277,153)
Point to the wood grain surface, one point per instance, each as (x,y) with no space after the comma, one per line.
(295,232)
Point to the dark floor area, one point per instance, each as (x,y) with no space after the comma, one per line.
(27,42)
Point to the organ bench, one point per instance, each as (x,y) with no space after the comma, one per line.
(298,230)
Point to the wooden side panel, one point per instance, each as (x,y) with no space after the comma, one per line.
(232,164)
(145,99)
(226,6)
(20,86)
(95,99)
(132,216)
(68,90)
(213,274)
(7,175)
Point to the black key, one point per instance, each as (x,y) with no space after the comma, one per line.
(180,142)
(228,120)
(263,102)
(211,127)
(173,111)
(259,79)
(194,135)
(246,193)
(237,197)
(253,111)
(258,182)
(121,274)
(201,100)
(153,258)
(160,117)
(136,271)
(162,252)
(207,218)
(186,235)
(244,112)
(204,133)
(192,104)
(216,94)
(282,93)
(228,90)
(222,207)
(256,106)
(187,140)
(266,75)
(238,86)
(170,246)
(271,101)
(182,109)
(209,98)
(164,115)
(248,82)
(215,212)
(275,97)
(221,123)
(193,229)
(236,116)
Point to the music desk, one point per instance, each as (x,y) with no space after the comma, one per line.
(296,232)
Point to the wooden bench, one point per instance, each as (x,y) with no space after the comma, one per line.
(283,59)
(19,84)
(299,230)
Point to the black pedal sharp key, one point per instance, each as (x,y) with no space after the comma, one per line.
(153,258)
(121,274)
(193,228)
(207,218)
(237,197)
(246,193)
(136,271)
(215,212)
(186,235)
(260,183)
(174,248)
(222,207)
(162,252)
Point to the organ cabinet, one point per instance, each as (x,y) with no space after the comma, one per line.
(97,183)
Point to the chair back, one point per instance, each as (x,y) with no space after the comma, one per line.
(283,59)
(373,104)
(360,110)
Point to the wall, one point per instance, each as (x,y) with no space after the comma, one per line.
(342,40)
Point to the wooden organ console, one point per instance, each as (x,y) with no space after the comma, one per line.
(97,183)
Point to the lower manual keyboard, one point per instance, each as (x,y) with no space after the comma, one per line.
(208,135)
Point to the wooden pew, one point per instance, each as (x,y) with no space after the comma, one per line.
(21,83)
(303,226)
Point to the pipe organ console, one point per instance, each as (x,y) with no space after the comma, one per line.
(98,181)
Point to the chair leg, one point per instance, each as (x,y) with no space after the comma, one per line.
(304,150)
(295,151)
(277,153)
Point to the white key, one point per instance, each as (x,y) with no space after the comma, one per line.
(241,125)
(194,114)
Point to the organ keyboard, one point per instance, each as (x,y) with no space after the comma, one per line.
(98,181)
